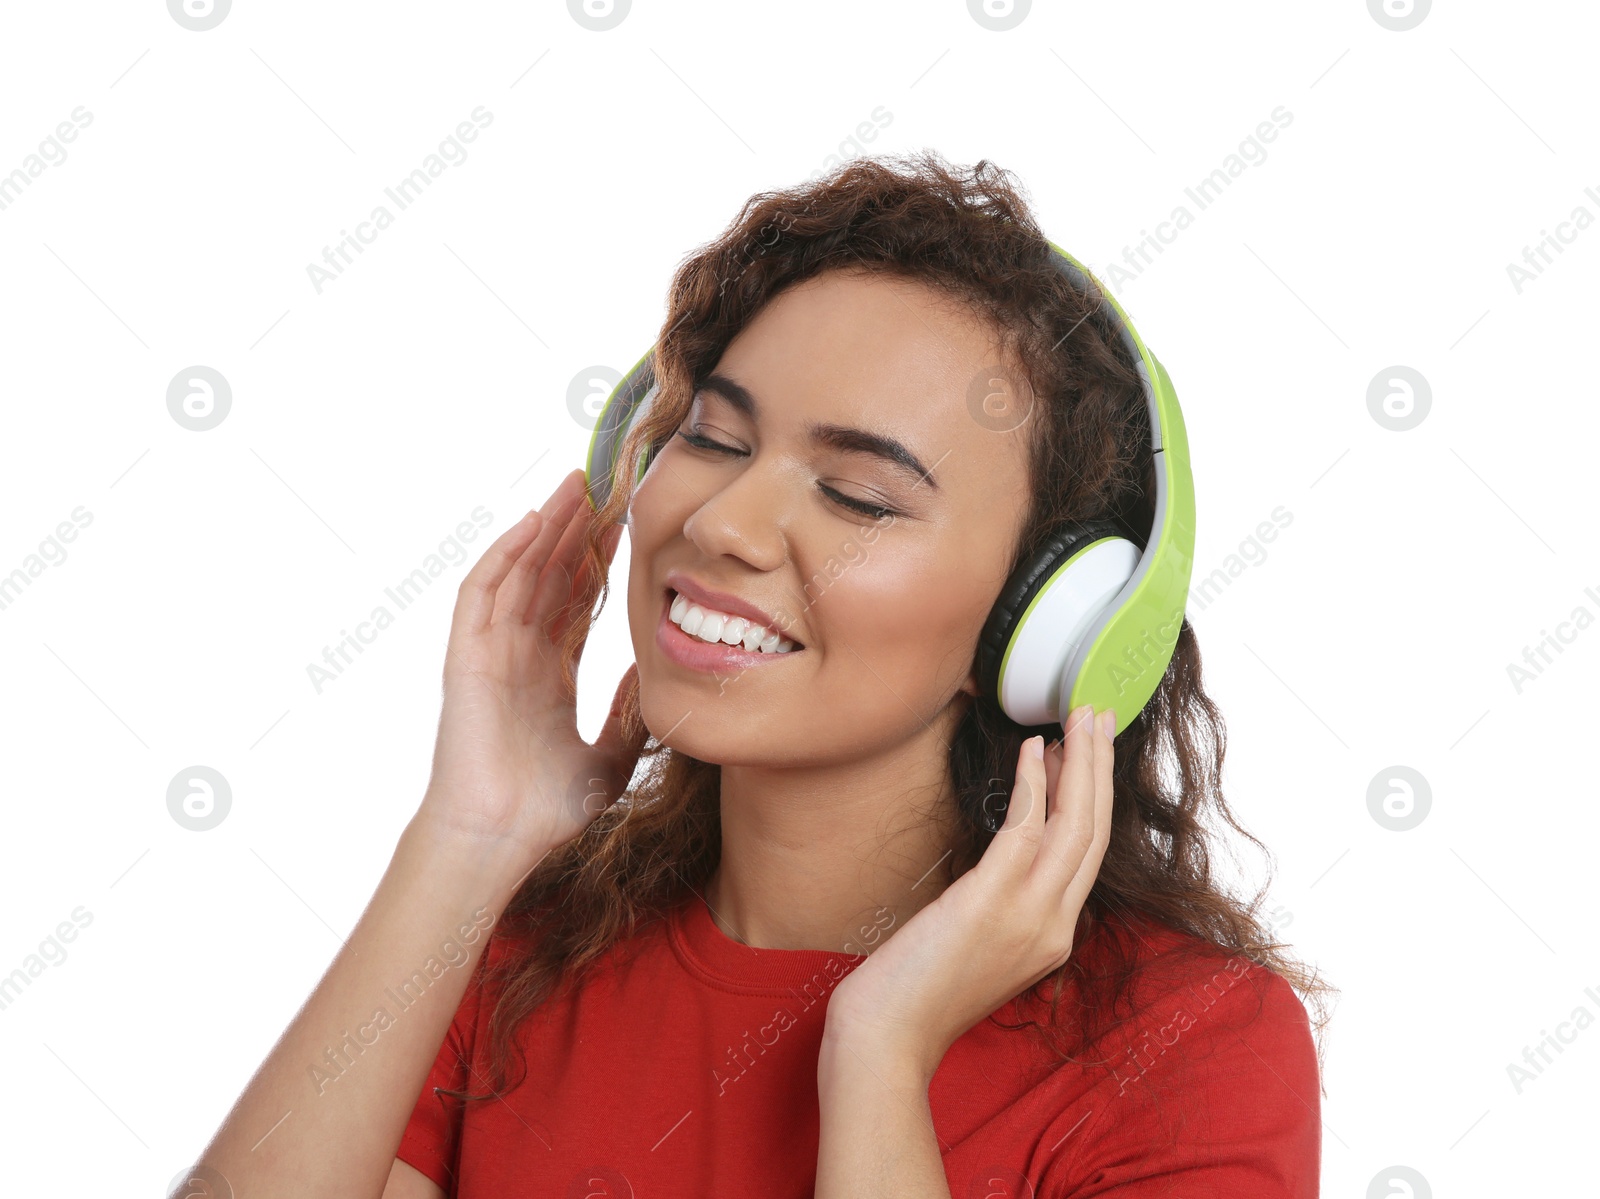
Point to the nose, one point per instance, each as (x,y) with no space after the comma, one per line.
(743,518)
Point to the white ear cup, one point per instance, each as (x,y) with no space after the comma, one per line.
(1033,675)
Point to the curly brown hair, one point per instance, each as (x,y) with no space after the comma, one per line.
(968,232)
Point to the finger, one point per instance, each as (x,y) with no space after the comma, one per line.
(476,595)
(1070,826)
(1052,763)
(1077,893)
(586,567)
(1016,842)
(512,596)
(555,586)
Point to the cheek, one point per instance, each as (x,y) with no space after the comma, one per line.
(645,536)
(640,585)
(662,502)
(921,624)
(650,524)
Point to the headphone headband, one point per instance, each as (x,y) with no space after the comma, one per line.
(1120,658)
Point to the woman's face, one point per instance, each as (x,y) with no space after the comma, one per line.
(848,389)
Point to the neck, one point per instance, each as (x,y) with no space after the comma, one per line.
(834,856)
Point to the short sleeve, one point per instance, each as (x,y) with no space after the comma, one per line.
(432,1138)
(1216,1092)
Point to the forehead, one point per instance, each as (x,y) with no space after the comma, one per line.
(888,354)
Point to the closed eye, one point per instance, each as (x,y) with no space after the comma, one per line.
(705,443)
(875,511)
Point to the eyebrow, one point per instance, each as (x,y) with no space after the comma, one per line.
(846,438)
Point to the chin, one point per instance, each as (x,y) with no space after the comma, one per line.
(721,730)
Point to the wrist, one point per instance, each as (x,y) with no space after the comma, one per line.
(851,1047)
(490,865)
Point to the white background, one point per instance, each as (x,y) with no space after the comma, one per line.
(431,377)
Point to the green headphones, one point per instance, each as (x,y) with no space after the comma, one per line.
(1093,617)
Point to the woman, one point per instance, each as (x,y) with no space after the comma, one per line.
(849,930)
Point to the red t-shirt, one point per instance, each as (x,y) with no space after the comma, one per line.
(687,1066)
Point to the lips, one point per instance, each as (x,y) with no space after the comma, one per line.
(722,601)
(717,659)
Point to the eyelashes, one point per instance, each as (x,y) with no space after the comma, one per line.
(861,507)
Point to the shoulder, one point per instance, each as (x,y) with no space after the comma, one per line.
(1182,986)
(1217,1051)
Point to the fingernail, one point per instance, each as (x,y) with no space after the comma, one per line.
(1036,747)
(1108,723)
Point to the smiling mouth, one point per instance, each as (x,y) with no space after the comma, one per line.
(695,621)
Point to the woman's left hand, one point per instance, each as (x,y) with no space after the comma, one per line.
(999,928)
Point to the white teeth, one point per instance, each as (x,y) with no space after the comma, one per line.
(713,626)
(691,620)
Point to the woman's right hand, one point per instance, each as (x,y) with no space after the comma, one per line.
(509,765)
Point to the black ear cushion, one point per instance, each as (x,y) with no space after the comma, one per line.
(1024,584)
